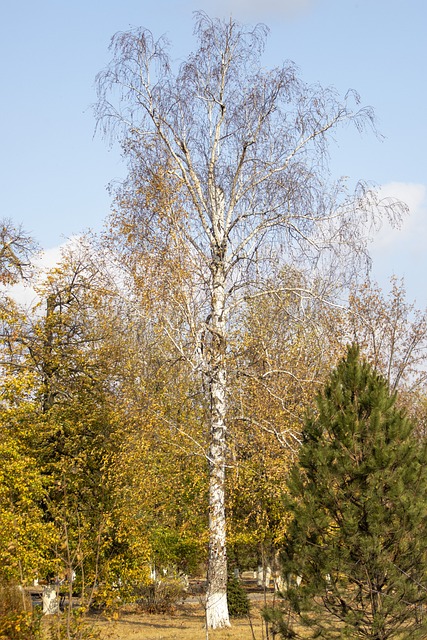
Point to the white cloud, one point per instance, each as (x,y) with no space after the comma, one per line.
(413,226)
(403,251)
(24,294)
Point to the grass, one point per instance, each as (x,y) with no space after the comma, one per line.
(182,627)
(187,623)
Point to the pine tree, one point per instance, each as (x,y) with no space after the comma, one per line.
(358,500)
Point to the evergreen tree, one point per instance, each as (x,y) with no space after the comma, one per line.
(358,500)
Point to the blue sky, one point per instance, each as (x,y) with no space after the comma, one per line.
(54,173)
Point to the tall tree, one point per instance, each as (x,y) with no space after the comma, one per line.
(62,376)
(26,538)
(357,497)
(75,348)
(243,152)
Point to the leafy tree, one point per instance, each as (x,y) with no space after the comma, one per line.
(16,250)
(285,348)
(357,498)
(227,168)
(78,350)
(26,539)
(60,389)
(161,489)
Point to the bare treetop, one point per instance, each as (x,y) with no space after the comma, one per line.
(244,141)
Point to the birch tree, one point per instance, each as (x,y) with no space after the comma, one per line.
(391,333)
(244,152)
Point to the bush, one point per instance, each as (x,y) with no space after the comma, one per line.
(162,595)
(17,619)
(71,625)
(237,599)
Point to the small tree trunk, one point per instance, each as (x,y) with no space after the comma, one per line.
(267,577)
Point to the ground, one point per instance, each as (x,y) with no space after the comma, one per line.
(186,623)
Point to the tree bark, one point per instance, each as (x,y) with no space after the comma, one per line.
(216,597)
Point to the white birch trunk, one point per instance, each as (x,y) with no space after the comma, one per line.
(50,601)
(267,578)
(216,601)
(279,583)
(264,576)
(216,597)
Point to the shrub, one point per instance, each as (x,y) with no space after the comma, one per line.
(71,625)
(17,619)
(237,599)
(162,595)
